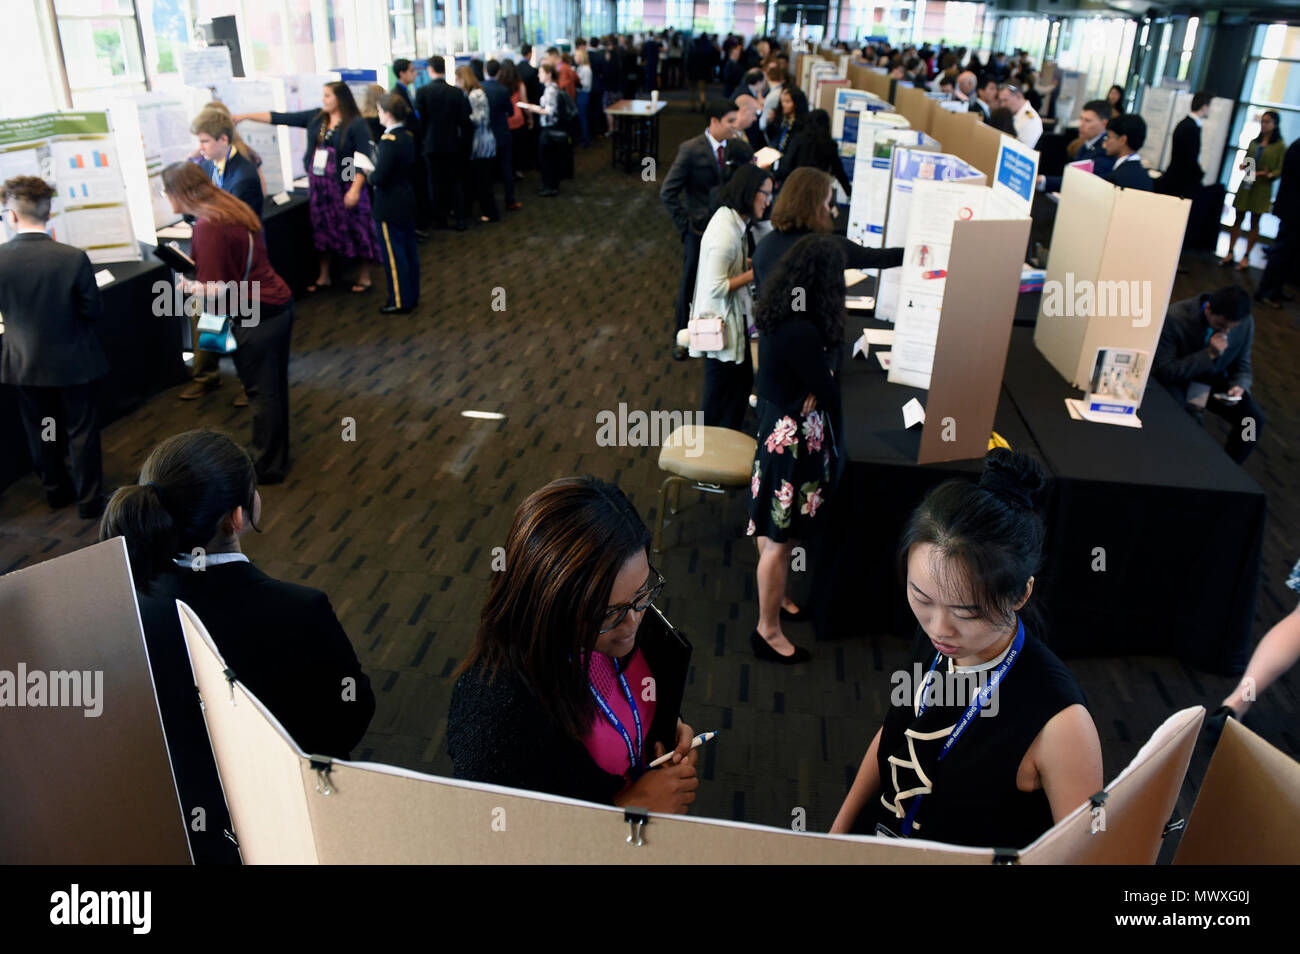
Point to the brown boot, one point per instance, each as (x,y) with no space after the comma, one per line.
(197,388)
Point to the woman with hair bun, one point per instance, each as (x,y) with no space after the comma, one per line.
(988,741)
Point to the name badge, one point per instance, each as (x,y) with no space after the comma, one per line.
(318,162)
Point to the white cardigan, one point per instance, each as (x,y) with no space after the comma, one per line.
(722,257)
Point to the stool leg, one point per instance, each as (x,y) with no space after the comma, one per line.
(661,516)
(677,495)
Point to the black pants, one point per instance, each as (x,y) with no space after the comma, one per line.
(726,392)
(506,164)
(686,290)
(445,188)
(1246,418)
(549,156)
(481,174)
(522,148)
(1283,259)
(262,360)
(400,257)
(61,420)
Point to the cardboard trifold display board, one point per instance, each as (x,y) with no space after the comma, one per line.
(289,808)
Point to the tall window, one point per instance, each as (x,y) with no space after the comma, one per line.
(101,49)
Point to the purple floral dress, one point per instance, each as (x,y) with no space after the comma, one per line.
(336,228)
(792,474)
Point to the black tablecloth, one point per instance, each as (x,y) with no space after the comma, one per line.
(1180,524)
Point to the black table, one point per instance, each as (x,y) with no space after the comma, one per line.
(289,243)
(1180,524)
(635,134)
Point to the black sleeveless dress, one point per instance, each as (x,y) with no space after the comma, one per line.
(970,798)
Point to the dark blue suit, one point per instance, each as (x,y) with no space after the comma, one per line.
(1130,175)
(499,110)
(240,179)
(1101,163)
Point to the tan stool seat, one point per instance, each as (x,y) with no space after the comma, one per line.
(714,455)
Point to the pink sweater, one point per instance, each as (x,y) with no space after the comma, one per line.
(603,741)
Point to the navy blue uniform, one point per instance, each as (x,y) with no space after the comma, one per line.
(394,208)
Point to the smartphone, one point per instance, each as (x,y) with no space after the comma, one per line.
(1228,398)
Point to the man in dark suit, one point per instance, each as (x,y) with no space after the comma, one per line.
(685,193)
(1284,255)
(1092,144)
(405,72)
(528,74)
(1184,175)
(51,355)
(222,162)
(448,133)
(1124,137)
(1206,341)
(499,110)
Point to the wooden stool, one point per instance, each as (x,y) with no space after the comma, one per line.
(708,459)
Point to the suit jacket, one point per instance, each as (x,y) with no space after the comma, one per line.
(685,192)
(393,199)
(1286,206)
(444,117)
(1184,175)
(1102,164)
(50,303)
(499,108)
(1130,175)
(284,643)
(240,179)
(805,149)
(348,140)
(1183,355)
(528,76)
(412,121)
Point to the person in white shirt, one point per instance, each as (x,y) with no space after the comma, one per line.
(1029,125)
(772,102)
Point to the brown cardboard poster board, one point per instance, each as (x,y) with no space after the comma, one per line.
(970,354)
(1120,248)
(286,810)
(1138,804)
(983,143)
(917,107)
(80,788)
(1247,811)
(956,134)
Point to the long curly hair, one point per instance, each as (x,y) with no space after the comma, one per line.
(808,285)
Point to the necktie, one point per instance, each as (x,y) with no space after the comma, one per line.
(721,163)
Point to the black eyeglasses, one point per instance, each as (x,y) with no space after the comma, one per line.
(616,614)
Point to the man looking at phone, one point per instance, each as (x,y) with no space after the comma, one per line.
(1203,359)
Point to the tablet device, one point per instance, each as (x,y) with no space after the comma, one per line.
(174,258)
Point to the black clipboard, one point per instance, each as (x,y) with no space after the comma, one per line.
(668,654)
(174,258)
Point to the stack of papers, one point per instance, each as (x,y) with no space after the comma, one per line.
(1031,279)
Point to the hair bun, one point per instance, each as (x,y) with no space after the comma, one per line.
(1016,479)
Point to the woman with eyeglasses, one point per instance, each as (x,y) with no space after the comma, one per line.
(806,205)
(557,693)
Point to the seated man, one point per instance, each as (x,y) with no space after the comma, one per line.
(1091,144)
(1124,137)
(1204,351)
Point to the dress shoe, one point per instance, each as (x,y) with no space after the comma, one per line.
(1271,302)
(764,651)
(394,310)
(92,510)
(680,353)
(58,499)
(196,389)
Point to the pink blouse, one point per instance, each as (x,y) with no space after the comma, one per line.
(603,741)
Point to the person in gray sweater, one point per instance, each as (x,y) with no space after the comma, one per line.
(1206,342)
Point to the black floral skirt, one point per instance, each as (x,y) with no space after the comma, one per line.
(795,467)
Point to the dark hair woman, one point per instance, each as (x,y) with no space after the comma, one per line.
(800,319)
(182,524)
(1115,99)
(337,162)
(794,110)
(1266,152)
(1003,120)
(806,205)
(968,558)
(722,291)
(544,700)
(235,278)
(813,146)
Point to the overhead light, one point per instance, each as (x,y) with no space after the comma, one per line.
(483,415)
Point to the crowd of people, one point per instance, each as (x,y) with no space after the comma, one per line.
(543,699)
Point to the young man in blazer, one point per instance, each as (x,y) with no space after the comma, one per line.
(1184,175)
(405,72)
(448,132)
(685,194)
(1124,137)
(222,162)
(1092,144)
(51,354)
(499,110)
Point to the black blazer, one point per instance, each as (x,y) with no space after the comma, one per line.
(499,109)
(1183,177)
(393,198)
(240,180)
(348,140)
(412,121)
(1130,175)
(1287,204)
(50,303)
(444,118)
(685,192)
(284,643)
(528,76)
(806,149)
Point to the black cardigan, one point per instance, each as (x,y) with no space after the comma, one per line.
(498,733)
(348,141)
(773,247)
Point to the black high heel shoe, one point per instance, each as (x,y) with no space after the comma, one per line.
(764,651)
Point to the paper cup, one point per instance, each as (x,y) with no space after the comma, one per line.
(654,95)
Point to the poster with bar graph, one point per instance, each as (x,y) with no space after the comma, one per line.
(76,154)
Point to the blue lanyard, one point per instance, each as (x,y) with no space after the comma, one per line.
(219,177)
(633,757)
(972,710)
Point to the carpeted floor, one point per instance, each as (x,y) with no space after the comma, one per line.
(398,526)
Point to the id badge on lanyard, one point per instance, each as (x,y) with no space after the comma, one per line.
(319,161)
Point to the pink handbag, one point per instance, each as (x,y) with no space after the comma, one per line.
(706,333)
